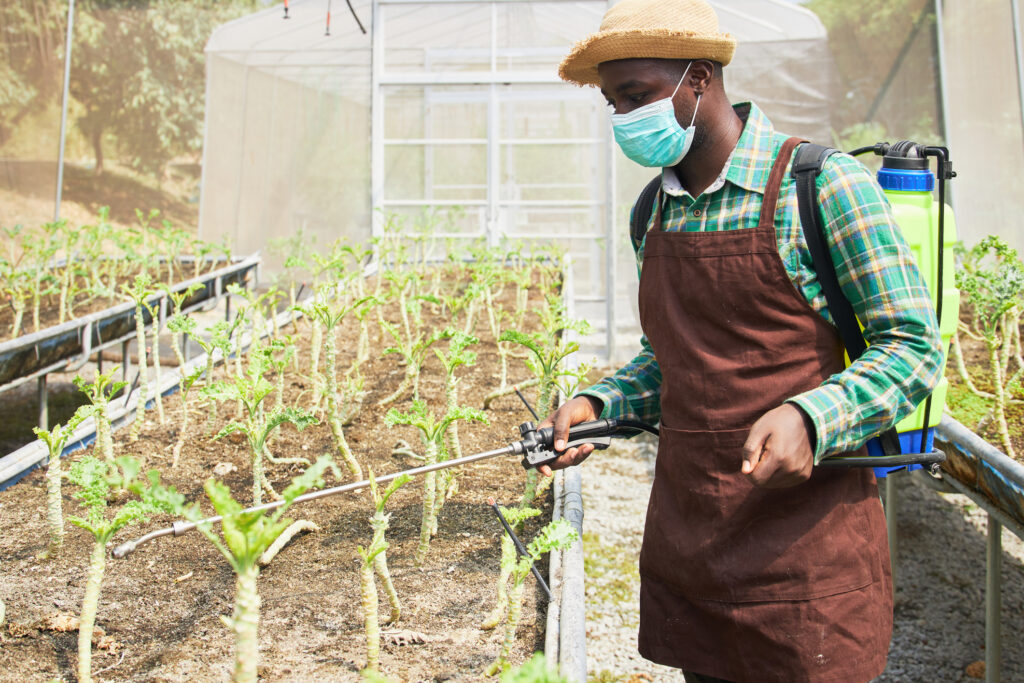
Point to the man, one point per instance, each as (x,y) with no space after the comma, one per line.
(756,565)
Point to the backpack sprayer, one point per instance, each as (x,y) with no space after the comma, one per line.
(536,448)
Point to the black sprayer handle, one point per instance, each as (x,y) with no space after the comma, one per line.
(537,446)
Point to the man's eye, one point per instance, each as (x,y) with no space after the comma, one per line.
(638,98)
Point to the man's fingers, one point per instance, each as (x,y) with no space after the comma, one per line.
(754,448)
(563,420)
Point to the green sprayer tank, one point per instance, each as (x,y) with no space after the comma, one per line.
(928,225)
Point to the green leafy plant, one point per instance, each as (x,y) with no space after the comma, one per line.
(96,481)
(329,318)
(534,670)
(457,356)
(100,392)
(432,433)
(244,537)
(556,535)
(993,283)
(56,439)
(251,390)
(413,352)
(373,563)
(139,293)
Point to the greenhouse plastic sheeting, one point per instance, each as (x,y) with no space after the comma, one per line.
(476,132)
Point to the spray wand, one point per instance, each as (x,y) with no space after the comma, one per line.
(536,448)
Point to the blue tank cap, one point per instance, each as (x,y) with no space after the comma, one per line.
(906,180)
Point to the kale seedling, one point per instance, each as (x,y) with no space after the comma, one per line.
(96,481)
(373,562)
(245,536)
(432,432)
(557,535)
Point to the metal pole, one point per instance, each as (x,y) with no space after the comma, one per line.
(1019,51)
(940,44)
(891,518)
(993,601)
(64,108)
(44,405)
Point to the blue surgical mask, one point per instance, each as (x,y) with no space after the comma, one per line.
(651,136)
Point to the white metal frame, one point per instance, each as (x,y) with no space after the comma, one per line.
(602,204)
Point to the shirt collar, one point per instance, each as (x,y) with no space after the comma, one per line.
(750,162)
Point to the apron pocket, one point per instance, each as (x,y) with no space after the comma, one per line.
(713,535)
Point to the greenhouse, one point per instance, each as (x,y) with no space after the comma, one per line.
(299,301)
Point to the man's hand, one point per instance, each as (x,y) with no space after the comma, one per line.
(778,451)
(573,411)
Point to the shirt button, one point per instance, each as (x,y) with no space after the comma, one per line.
(696,212)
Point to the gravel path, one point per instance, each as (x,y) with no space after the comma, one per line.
(939,630)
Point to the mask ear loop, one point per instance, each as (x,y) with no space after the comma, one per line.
(680,83)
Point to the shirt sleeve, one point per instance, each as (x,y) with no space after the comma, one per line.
(878,274)
(634,391)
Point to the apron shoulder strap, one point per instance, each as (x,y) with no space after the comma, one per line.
(771,190)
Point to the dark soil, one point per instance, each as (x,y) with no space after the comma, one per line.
(160,607)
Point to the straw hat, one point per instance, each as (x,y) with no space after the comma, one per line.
(665,29)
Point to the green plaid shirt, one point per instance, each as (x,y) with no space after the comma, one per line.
(876,271)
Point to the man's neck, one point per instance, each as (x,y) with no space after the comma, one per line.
(702,166)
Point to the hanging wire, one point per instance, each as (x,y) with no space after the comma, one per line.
(355,16)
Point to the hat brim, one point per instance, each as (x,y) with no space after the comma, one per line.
(580,65)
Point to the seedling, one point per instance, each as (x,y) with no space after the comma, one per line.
(556,535)
(100,392)
(373,561)
(329,318)
(456,357)
(97,480)
(56,439)
(245,536)
(432,432)
(251,390)
(140,292)
(413,352)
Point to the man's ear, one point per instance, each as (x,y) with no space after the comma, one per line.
(702,72)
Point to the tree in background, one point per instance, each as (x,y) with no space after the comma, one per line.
(886,56)
(31,35)
(138,70)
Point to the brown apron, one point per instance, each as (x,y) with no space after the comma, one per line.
(740,582)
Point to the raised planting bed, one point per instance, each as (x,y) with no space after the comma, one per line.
(63,346)
(160,608)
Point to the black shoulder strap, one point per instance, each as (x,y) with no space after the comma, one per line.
(641,215)
(807,165)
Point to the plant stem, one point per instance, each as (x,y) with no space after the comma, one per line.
(155,350)
(90,603)
(997,373)
(508,561)
(370,621)
(140,408)
(245,623)
(380,565)
(54,505)
(429,493)
(331,352)
(182,429)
